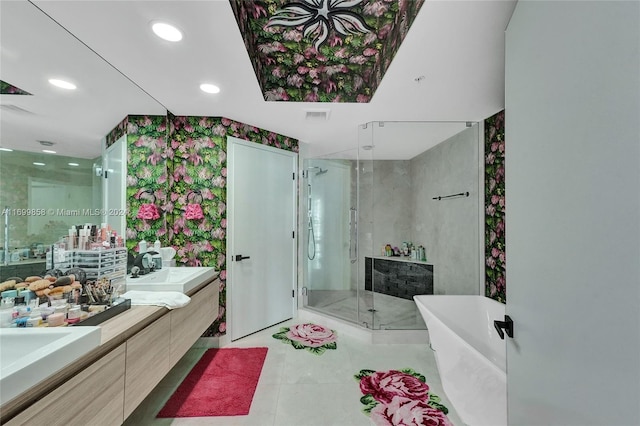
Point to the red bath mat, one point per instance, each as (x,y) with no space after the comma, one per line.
(222,383)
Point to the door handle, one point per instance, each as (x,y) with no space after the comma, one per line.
(240,257)
(353,235)
(507,325)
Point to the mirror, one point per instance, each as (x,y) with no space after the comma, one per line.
(73,123)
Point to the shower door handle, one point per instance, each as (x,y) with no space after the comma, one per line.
(507,325)
(353,232)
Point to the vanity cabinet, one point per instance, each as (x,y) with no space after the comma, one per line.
(95,396)
(153,352)
(147,362)
(139,347)
(188,324)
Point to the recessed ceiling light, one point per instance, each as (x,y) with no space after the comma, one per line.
(62,84)
(48,151)
(209,88)
(74,164)
(6,149)
(35,163)
(166,31)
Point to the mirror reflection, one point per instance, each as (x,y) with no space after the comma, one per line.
(49,194)
(51,140)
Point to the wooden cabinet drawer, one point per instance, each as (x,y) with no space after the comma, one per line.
(95,396)
(147,362)
(188,323)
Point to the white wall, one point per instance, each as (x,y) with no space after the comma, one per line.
(573,212)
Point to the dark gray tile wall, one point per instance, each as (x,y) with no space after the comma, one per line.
(398,278)
(21,270)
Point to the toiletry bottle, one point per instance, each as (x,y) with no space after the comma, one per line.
(6,312)
(422,253)
(103,232)
(142,246)
(72,238)
(80,245)
(156,246)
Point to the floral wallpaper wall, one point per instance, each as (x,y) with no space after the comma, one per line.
(301,53)
(148,184)
(495,251)
(117,132)
(176,186)
(199,194)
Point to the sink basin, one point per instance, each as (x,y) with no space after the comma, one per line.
(30,355)
(174,278)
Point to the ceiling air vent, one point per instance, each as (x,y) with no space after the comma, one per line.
(317,114)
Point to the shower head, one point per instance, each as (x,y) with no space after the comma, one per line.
(319,172)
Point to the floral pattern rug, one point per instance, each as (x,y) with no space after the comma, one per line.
(400,397)
(312,337)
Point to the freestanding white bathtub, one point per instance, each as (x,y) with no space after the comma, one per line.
(470,355)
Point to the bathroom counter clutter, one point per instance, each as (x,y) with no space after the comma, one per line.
(400,259)
(107,383)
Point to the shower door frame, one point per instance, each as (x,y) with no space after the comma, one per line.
(307,283)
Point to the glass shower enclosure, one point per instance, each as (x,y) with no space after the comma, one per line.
(398,216)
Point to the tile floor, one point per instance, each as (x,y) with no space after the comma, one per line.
(299,388)
(391,313)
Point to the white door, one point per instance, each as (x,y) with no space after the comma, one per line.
(114,171)
(261,243)
(573,209)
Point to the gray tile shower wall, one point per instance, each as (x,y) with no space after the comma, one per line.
(449,228)
(396,204)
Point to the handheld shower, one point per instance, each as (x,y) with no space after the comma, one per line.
(311,237)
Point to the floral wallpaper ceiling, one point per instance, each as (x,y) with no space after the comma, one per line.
(323,50)
(9,89)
